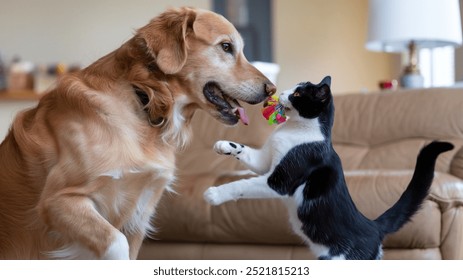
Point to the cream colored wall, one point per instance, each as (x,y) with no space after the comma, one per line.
(318,37)
(50,31)
(312,38)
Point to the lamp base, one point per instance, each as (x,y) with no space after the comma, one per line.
(412,80)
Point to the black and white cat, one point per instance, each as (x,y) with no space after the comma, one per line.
(299,165)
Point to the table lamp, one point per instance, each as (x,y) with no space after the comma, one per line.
(409,25)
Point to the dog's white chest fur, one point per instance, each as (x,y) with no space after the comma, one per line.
(137,187)
(139,221)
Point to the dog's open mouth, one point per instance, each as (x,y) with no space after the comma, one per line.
(229,108)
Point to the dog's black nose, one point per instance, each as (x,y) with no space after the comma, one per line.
(270,89)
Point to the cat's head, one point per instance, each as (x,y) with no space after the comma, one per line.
(309,101)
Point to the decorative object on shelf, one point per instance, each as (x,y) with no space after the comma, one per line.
(21,75)
(388,84)
(47,75)
(410,25)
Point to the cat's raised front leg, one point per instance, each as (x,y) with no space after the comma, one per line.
(255,187)
(224,147)
(256,160)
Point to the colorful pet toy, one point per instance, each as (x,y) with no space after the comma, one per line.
(273,111)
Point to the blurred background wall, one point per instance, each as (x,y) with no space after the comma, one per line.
(311,38)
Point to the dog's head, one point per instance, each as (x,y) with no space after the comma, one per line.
(204,52)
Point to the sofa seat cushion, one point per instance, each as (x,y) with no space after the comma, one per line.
(166,250)
(186,217)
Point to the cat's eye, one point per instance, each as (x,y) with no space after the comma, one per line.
(296,94)
(227,47)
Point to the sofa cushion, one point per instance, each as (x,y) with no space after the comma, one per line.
(379,118)
(244,221)
(386,130)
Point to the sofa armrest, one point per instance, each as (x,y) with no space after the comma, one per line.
(439,222)
(447,193)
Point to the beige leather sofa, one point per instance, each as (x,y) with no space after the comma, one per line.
(377,136)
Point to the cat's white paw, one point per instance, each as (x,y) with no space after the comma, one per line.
(213,196)
(228,148)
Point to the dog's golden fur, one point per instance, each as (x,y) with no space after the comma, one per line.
(81,173)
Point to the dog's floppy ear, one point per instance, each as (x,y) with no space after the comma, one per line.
(164,38)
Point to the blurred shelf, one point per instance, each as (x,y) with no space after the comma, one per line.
(20,95)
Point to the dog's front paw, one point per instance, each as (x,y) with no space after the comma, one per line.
(213,196)
(228,148)
(118,249)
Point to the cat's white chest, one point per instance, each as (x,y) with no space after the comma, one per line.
(290,135)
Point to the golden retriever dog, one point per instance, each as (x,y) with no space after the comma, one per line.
(82,172)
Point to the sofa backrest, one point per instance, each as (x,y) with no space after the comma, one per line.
(386,130)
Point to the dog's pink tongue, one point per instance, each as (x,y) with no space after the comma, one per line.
(243,117)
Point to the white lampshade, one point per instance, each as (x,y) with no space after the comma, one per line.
(392,24)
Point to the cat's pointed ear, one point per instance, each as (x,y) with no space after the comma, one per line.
(326,81)
(324,92)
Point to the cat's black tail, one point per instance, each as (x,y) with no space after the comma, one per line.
(412,198)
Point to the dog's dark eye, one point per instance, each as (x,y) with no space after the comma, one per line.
(227,47)
(296,94)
